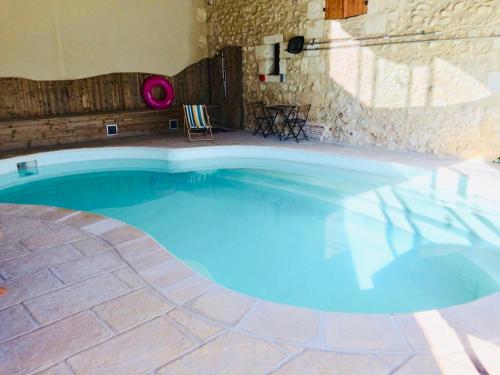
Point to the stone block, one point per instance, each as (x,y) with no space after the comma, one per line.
(58,235)
(229,354)
(11,251)
(273,39)
(38,261)
(315,10)
(60,369)
(129,277)
(376,24)
(434,365)
(138,351)
(494,82)
(75,298)
(102,226)
(121,234)
(187,289)
(316,30)
(14,321)
(80,219)
(51,344)
(266,67)
(264,52)
(363,332)
(222,305)
(87,266)
(28,286)
(166,274)
(433,331)
(282,322)
(197,327)
(140,247)
(132,309)
(316,362)
(90,246)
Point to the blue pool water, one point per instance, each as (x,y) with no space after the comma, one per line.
(316,237)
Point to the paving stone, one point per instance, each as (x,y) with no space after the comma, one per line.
(60,369)
(91,246)
(187,289)
(199,328)
(139,247)
(7,209)
(81,219)
(322,363)
(291,349)
(132,309)
(52,238)
(33,211)
(283,322)
(222,305)
(433,365)
(12,251)
(19,228)
(102,226)
(87,266)
(56,214)
(482,315)
(166,274)
(138,351)
(75,298)
(230,354)
(121,234)
(51,344)
(14,321)
(435,331)
(129,277)
(486,353)
(363,332)
(38,261)
(150,260)
(28,286)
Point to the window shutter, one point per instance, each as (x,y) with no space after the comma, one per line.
(354,8)
(334,9)
(338,9)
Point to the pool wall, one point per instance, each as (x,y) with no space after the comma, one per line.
(445,179)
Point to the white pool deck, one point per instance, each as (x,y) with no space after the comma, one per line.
(92,295)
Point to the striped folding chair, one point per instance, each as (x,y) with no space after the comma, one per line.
(196,121)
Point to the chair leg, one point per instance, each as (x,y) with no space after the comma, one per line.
(301,129)
(259,128)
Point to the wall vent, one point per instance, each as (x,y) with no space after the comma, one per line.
(173,124)
(111,130)
(27,168)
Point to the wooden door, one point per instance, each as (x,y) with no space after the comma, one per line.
(226,85)
(339,9)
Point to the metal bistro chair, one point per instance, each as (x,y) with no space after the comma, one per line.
(298,119)
(263,119)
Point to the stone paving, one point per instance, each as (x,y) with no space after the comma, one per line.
(92,295)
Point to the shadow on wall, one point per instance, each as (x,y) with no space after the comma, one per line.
(437,91)
(416,95)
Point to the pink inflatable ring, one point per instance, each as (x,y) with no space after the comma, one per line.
(147,92)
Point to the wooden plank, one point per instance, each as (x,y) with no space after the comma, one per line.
(354,8)
(334,9)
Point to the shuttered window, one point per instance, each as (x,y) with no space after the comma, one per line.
(338,9)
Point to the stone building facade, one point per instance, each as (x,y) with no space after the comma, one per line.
(415,75)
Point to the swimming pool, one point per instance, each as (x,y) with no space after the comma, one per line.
(305,229)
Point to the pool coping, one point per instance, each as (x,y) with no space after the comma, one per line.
(445,331)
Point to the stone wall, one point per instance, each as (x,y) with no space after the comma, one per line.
(438,91)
